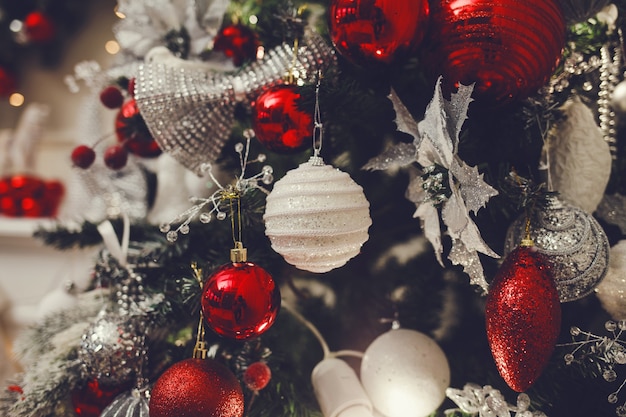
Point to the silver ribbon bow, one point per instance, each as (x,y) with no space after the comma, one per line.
(190,111)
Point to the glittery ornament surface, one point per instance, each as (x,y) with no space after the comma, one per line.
(379,31)
(197,388)
(190,112)
(317,217)
(279,124)
(257,376)
(509,48)
(523,317)
(110,348)
(240,300)
(575,246)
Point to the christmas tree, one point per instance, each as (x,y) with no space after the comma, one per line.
(337,208)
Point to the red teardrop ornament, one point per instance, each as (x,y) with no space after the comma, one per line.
(240,300)
(523,316)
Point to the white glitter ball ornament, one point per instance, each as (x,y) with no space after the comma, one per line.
(317,217)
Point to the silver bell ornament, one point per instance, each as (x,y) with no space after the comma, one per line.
(574,243)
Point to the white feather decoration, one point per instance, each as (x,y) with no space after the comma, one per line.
(578,158)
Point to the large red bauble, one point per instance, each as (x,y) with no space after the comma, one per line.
(240,300)
(131,130)
(523,316)
(93,398)
(237,42)
(39,27)
(197,388)
(30,196)
(509,48)
(377,31)
(278,123)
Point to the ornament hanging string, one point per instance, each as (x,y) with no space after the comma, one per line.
(199,350)
(318,127)
(318,335)
(119,250)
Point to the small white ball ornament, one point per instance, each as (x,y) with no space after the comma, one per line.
(317,217)
(618,97)
(612,290)
(405,374)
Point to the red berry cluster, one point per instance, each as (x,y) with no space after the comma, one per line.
(132,134)
(29,196)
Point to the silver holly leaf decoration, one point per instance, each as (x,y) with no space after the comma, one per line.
(447,189)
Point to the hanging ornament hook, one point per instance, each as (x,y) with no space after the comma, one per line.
(318,127)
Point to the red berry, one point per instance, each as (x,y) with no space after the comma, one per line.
(112,97)
(83,156)
(131,87)
(115,157)
(257,376)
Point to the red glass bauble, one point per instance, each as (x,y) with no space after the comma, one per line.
(523,316)
(240,300)
(377,31)
(30,196)
(8,83)
(90,400)
(509,48)
(133,132)
(278,123)
(39,27)
(197,388)
(237,42)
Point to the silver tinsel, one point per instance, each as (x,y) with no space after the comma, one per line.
(575,244)
(190,112)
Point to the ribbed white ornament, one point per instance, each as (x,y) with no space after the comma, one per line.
(317,217)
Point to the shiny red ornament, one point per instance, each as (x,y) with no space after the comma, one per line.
(278,123)
(237,42)
(197,388)
(115,157)
(523,316)
(8,83)
(30,196)
(111,97)
(240,300)
(257,376)
(83,156)
(39,28)
(377,31)
(509,48)
(132,131)
(93,398)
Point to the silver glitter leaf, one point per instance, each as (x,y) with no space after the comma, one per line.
(436,141)
(489,402)
(400,155)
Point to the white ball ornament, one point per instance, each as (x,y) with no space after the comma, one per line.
(618,97)
(405,374)
(317,217)
(612,290)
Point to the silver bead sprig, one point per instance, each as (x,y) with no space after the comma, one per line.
(216,204)
(606,353)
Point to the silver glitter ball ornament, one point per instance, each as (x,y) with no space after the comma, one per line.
(575,244)
(111,349)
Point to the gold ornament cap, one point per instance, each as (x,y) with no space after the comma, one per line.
(239,253)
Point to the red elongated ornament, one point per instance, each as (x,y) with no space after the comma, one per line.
(523,317)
